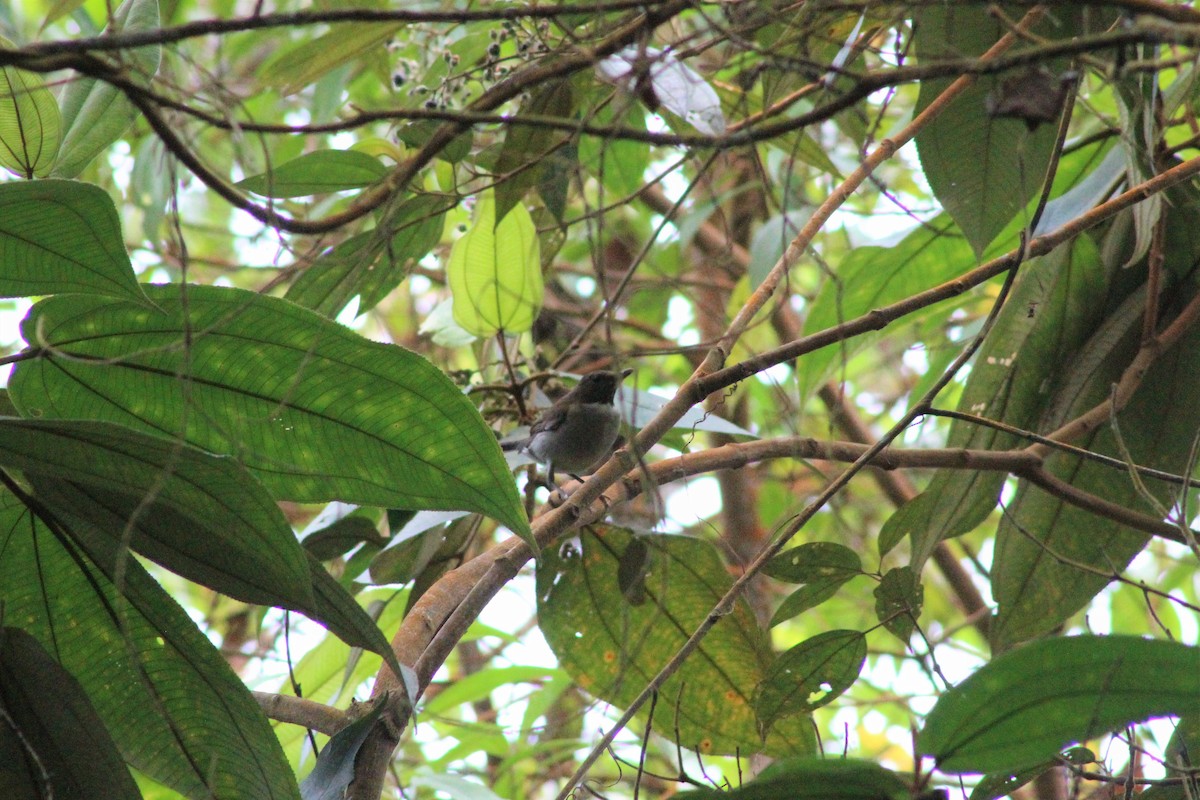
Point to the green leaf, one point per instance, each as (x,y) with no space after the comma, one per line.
(62,236)
(341,537)
(814,779)
(295,68)
(480,685)
(1045,567)
(370,264)
(1027,705)
(620,163)
(30,124)
(48,716)
(870,277)
(170,701)
(1056,304)
(199,515)
(319,172)
(1003,784)
(814,561)
(899,598)
(337,610)
(982,169)
(810,675)
(526,150)
(95,113)
(808,596)
(495,272)
(315,411)
(611,647)
(335,765)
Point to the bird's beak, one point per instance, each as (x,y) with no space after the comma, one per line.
(625,373)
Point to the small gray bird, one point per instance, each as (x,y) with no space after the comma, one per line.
(579,429)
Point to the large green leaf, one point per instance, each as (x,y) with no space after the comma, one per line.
(814,779)
(318,172)
(1052,558)
(982,169)
(611,646)
(314,410)
(30,124)
(168,698)
(197,514)
(48,716)
(1027,705)
(495,272)
(95,113)
(1053,308)
(62,236)
(870,277)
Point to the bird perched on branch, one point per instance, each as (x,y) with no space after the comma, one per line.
(579,429)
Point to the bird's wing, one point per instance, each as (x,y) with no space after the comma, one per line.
(551,420)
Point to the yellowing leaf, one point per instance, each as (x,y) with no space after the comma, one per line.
(495,272)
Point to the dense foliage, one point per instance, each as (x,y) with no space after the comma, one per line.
(902,505)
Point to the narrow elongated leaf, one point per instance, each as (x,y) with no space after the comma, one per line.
(57,725)
(814,561)
(95,113)
(526,146)
(319,172)
(373,263)
(898,601)
(30,123)
(810,675)
(335,765)
(1027,705)
(814,779)
(495,272)
(1052,558)
(168,698)
(199,515)
(315,411)
(62,236)
(342,614)
(1055,306)
(612,647)
(808,596)
(294,69)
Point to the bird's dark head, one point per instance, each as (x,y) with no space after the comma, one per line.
(599,387)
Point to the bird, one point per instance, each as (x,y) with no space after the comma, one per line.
(579,429)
